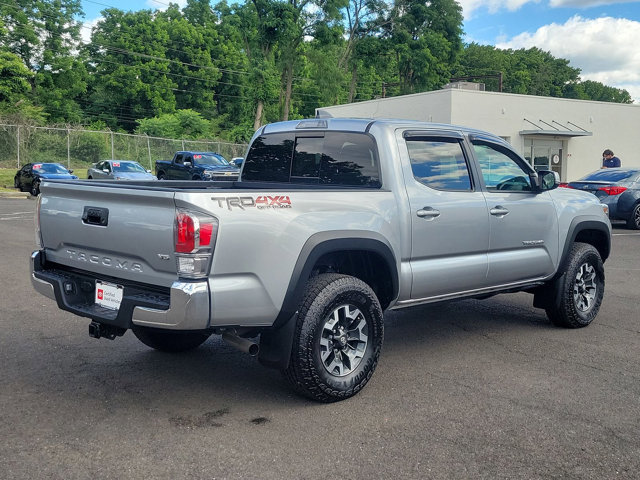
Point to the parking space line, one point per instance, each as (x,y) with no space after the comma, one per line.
(624,234)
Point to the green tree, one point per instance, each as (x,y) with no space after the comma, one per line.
(181,124)
(426,40)
(14,80)
(130,68)
(600,92)
(45,34)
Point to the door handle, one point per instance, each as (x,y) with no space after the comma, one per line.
(428,212)
(499,211)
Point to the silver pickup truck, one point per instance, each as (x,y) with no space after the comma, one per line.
(332,222)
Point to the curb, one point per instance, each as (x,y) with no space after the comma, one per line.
(14,194)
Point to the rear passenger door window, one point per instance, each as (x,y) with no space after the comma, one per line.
(439,163)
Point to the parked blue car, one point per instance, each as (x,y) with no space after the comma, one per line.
(28,178)
(618,188)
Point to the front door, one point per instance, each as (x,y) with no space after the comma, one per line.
(523,242)
(449,220)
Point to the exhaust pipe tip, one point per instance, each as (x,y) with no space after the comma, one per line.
(243,344)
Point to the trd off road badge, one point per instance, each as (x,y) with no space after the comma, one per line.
(261,202)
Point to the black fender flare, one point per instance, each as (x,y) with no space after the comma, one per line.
(576,227)
(276,342)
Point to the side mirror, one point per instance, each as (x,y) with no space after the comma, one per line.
(148,171)
(105,170)
(187,164)
(71,170)
(548,180)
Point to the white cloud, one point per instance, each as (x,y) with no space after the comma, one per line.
(605,49)
(87,28)
(493,6)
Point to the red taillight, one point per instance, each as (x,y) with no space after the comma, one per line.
(185,233)
(564,185)
(206,229)
(194,231)
(612,190)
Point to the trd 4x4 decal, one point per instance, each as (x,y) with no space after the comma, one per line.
(261,202)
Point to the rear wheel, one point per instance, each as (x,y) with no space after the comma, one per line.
(169,341)
(634,220)
(89,177)
(337,340)
(580,289)
(161,176)
(16,183)
(35,188)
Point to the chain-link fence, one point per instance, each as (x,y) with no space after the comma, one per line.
(21,144)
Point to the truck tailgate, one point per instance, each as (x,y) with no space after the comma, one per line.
(117,232)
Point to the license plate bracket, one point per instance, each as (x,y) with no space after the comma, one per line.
(108,295)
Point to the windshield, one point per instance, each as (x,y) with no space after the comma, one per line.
(609,175)
(127,167)
(210,159)
(50,168)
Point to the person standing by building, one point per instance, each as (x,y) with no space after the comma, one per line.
(609,160)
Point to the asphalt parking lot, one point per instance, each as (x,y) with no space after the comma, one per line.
(466,390)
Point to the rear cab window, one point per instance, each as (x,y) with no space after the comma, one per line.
(314,158)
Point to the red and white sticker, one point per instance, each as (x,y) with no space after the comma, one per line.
(116,164)
(197,157)
(108,295)
(37,166)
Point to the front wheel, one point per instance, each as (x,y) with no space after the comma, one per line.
(634,220)
(580,289)
(337,340)
(168,340)
(161,176)
(35,188)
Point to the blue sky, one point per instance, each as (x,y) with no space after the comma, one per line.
(598,36)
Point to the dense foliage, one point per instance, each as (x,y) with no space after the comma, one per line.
(225,69)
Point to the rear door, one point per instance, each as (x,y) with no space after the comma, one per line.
(450,225)
(523,222)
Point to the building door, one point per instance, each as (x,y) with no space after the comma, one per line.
(545,154)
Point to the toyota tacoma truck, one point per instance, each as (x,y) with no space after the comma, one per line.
(331,223)
(196,166)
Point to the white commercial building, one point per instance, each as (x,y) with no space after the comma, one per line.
(564,135)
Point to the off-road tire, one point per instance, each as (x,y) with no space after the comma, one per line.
(325,295)
(578,292)
(634,220)
(169,341)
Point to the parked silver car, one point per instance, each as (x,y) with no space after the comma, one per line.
(119,170)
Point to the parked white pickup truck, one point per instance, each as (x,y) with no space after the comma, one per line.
(332,222)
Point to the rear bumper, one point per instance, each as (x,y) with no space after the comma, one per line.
(183,306)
